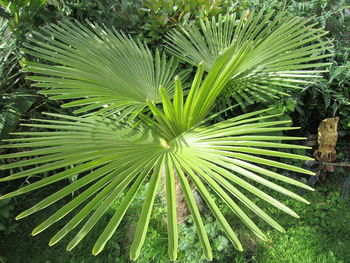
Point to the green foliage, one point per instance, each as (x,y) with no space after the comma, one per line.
(7,224)
(8,60)
(22,15)
(14,106)
(122,86)
(111,76)
(320,235)
(154,18)
(213,37)
(149,20)
(16,96)
(167,129)
(329,96)
(14,100)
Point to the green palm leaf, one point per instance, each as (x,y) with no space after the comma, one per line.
(118,156)
(89,138)
(100,69)
(271,54)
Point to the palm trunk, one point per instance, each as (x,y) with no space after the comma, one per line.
(182,211)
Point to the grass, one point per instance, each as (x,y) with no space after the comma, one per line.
(321,235)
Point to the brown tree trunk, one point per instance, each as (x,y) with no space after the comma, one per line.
(182,211)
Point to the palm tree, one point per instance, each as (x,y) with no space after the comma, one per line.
(136,118)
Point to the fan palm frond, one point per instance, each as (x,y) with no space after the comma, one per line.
(222,156)
(225,157)
(99,69)
(283,51)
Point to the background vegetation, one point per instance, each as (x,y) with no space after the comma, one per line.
(322,233)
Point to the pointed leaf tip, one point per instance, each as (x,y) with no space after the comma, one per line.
(304,200)
(173,257)
(209,257)
(69,247)
(264,238)
(53,241)
(20,216)
(134,256)
(96,251)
